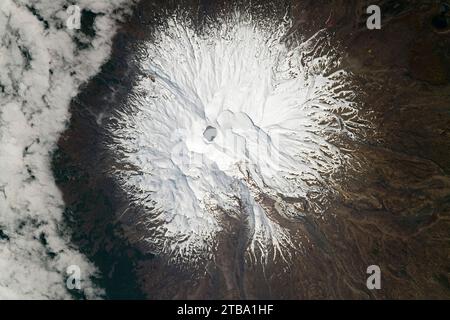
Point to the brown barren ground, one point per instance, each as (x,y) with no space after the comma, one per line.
(394,212)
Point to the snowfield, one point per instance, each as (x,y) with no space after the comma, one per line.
(224,118)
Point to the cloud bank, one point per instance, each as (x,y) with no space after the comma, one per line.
(42,65)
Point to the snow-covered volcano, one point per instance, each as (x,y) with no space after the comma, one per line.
(228,123)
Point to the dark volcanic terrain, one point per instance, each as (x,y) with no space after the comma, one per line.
(394,211)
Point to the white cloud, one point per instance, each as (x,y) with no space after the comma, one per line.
(33,109)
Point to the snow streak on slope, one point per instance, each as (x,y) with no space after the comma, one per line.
(41,69)
(225,119)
